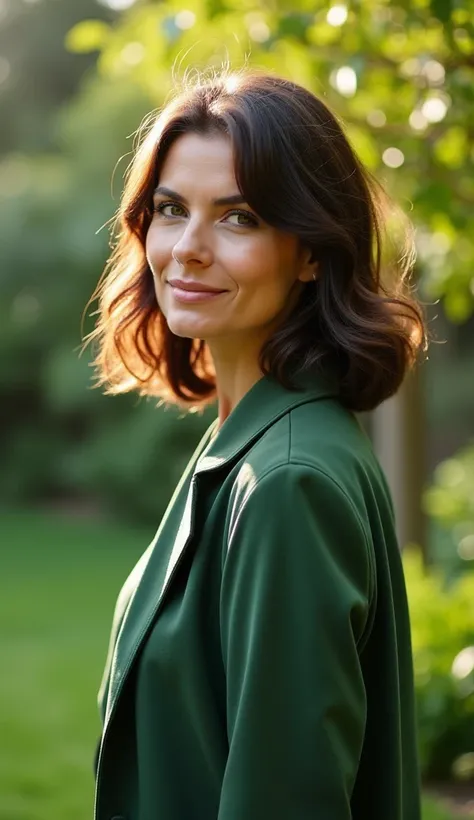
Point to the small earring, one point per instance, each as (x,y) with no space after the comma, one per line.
(314,277)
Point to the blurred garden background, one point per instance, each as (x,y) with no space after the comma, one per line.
(85,478)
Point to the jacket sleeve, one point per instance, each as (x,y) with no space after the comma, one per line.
(294,615)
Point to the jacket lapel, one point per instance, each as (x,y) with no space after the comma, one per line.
(157,567)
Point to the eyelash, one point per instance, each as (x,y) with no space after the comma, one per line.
(253,222)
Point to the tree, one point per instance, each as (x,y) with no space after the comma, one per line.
(36,74)
(400,75)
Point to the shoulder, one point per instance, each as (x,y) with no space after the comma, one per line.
(327,443)
(303,469)
(297,494)
(316,467)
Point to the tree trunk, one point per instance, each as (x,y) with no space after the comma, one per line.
(398,429)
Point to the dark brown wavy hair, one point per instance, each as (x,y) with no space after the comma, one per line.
(296,169)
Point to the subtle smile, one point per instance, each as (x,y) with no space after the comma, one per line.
(192,291)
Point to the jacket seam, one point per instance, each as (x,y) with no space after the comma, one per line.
(305,399)
(361,642)
(289,438)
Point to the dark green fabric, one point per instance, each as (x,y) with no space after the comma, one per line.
(260,661)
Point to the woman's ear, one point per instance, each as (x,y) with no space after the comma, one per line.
(310,267)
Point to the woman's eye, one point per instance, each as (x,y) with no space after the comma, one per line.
(244,219)
(172,210)
(173,206)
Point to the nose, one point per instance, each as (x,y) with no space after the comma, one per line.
(193,247)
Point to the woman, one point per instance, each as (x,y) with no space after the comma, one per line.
(260,662)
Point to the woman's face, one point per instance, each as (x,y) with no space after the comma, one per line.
(203,235)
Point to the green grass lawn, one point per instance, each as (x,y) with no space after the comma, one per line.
(58,585)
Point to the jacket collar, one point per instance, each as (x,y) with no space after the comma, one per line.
(261,406)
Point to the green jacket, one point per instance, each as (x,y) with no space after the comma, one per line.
(260,662)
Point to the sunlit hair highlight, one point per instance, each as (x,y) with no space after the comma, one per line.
(295,167)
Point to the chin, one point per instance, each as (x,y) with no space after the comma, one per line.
(191,330)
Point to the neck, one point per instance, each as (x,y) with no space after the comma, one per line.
(237,370)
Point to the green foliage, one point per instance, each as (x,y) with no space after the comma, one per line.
(86,36)
(432,811)
(450,503)
(451,499)
(36,74)
(399,74)
(442,621)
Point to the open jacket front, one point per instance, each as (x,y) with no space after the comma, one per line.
(260,661)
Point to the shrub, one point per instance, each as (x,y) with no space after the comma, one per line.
(442,618)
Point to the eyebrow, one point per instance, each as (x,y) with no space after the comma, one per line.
(234,199)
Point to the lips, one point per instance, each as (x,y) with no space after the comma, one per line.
(192,292)
(193,287)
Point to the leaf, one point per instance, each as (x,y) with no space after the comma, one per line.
(435,196)
(452,148)
(294,25)
(458,305)
(364,145)
(87,36)
(442,9)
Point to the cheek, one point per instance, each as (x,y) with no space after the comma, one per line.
(268,273)
(254,263)
(154,252)
(268,286)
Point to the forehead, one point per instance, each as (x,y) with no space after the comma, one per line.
(196,161)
